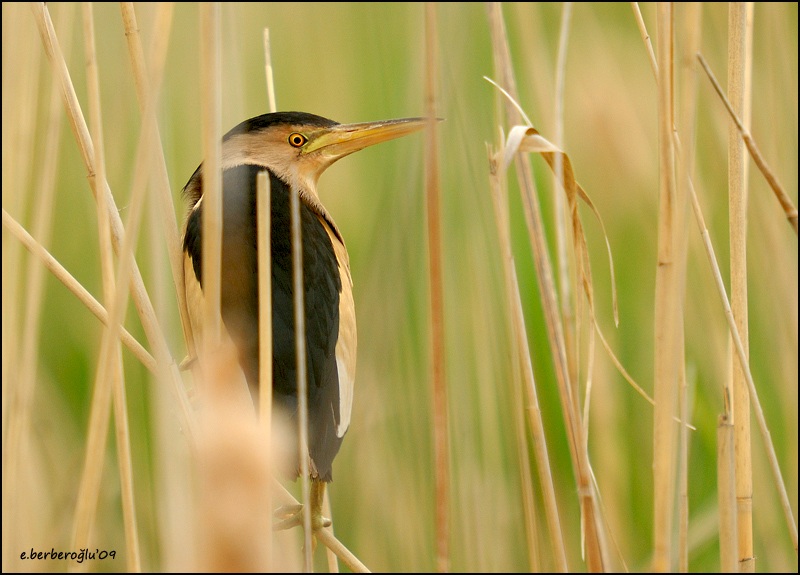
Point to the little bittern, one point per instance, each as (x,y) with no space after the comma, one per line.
(295,148)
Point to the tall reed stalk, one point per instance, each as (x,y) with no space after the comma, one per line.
(667,304)
(738,90)
(688,21)
(438,378)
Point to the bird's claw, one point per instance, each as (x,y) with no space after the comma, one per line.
(288,516)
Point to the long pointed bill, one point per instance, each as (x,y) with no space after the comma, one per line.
(344,139)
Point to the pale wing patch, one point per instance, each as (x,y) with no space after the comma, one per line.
(346,353)
(347,342)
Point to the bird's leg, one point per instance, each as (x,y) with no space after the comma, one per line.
(292,515)
(318,521)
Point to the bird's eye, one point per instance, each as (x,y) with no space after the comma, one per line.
(297,139)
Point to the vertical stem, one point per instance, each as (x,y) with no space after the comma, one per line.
(263,238)
(726,497)
(210,73)
(440,432)
(737,203)
(533,413)
(667,306)
(273,106)
(560,216)
(302,378)
(690,34)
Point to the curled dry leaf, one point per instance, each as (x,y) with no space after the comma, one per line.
(525,139)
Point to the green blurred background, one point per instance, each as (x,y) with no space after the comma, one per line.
(356,62)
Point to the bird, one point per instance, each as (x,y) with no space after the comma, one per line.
(295,148)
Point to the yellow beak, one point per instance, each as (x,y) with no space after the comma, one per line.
(344,139)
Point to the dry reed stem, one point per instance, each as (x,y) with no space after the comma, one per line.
(125,464)
(302,376)
(559,210)
(738,90)
(133,555)
(637,15)
(167,367)
(668,309)
(161,178)
(689,20)
(211,120)
(333,563)
(596,554)
(772,180)
(263,238)
(726,497)
(96,130)
(62,275)
(264,251)
(570,317)
(325,536)
(439,382)
(273,106)
(530,401)
(526,478)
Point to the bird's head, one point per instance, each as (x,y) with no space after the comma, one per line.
(297,147)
